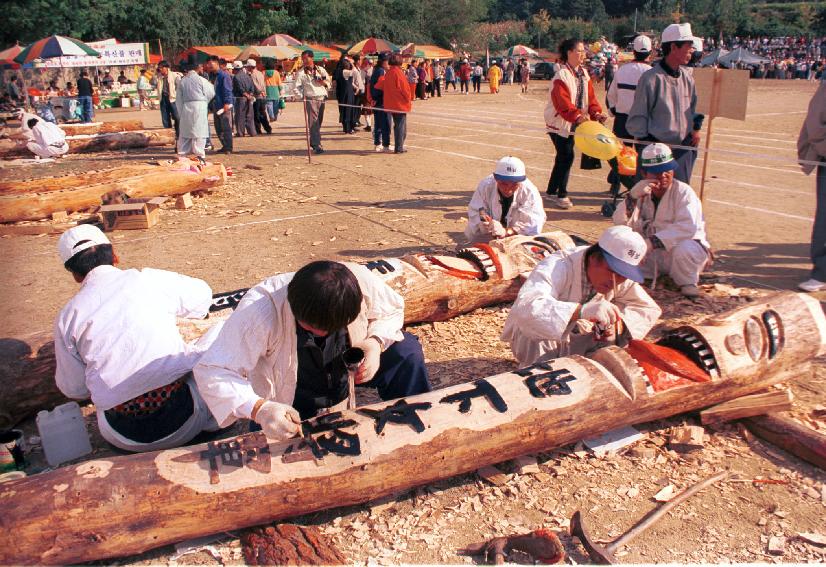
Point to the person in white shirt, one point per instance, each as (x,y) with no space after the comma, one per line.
(117,342)
(669,215)
(280,356)
(582,299)
(47,139)
(505,203)
(478,73)
(620,97)
(311,85)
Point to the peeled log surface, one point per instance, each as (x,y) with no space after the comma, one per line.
(124,505)
(431,291)
(99,142)
(791,436)
(102,127)
(145,181)
(72,180)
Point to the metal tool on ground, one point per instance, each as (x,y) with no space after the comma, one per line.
(542,545)
(353,358)
(604,554)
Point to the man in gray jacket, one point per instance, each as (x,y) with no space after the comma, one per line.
(665,102)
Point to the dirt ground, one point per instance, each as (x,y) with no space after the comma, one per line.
(278,211)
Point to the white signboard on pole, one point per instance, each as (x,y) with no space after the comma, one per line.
(111,55)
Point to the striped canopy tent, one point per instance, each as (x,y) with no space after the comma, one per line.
(372,45)
(54,46)
(7,57)
(269,52)
(521,51)
(434,52)
(281,40)
(200,53)
(320,51)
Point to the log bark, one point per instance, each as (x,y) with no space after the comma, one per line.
(72,180)
(123,505)
(149,181)
(99,142)
(747,406)
(791,436)
(102,127)
(435,288)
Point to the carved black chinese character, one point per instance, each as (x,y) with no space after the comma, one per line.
(553,383)
(401,412)
(323,435)
(227,300)
(382,266)
(482,389)
(251,450)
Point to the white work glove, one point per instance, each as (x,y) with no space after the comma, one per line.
(604,313)
(279,421)
(640,190)
(496,229)
(372,355)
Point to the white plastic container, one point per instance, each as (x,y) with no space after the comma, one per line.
(63,433)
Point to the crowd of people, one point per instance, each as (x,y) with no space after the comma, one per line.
(792,57)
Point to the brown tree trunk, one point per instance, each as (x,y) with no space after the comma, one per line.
(123,505)
(69,194)
(791,436)
(435,288)
(99,142)
(102,127)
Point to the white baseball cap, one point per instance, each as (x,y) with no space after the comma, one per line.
(510,168)
(623,249)
(678,32)
(79,238)
(657,158)
(642,44)
(237,65)
(251,63)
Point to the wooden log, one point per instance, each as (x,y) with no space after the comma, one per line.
(102,127)
(99,142)
(72,180)
(123,505)
(747,406)
(150,181)
(435,288)
(791,436)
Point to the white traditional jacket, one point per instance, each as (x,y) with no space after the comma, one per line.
(526,215)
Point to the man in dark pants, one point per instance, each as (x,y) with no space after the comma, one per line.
(811,148)
(84,96)
(243,90)
(259,107)
(381,133)
(397,98)
(166,91)
(222,103)
(311,86)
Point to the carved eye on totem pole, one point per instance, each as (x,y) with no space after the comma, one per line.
(762,336)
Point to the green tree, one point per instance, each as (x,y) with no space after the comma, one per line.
(540,24)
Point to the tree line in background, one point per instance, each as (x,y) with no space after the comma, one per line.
(471,25)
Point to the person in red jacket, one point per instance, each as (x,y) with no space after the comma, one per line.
(465,72)
(571,102)
(398,98)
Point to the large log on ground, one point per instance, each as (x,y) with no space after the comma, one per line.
(435,288)
(17,203)
(72,180)
(102,127)
(791,436)
(99,142)
(123,505)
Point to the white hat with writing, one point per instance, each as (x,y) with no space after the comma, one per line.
(623,249)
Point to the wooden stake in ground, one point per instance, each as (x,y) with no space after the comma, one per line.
(123,505)
(307,128)
(434,288)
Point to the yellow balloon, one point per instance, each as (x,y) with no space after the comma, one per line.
(597,141)
(596,47)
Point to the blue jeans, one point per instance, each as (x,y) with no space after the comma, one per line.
(169,114)
(381,128)
(818,252)
(272,108)
(87,111)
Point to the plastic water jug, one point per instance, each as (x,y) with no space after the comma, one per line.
(63,434)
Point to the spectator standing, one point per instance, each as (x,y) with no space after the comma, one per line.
(494,76)
(193,96)
(509,71)
(348,111)
(366,71)
(465,72)
(272,79)
(243,90)
(665,102)
(259,109)
(311,84)
(398,99)
(450,76)
(571,102)
(381,132)
(84,96)
(811,147)
(143,90)
(438,73)
(478,73)
(167,80)
(421,83)
(222,103)
(524,75)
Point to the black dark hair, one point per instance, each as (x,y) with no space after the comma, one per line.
(214,58)
(325,295)
(641,56)
(345,63)
(32,122)
(308,52)
(269,64)
(163,63)
(594,252)
(666,47)
(396,59)
(565,46)
(84,73)
(87,260)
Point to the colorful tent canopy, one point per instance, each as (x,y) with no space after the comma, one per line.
(7,57)
(522,50)
(434,52)
(54,46)
(320,51)
(371,45)
(199,53)
(269,52)
(281,40)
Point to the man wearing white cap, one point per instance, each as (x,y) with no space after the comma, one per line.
(116,341)
(620,97)
(665,101)
(259,106)
(582,299)
(505,203)
(668,214)
(243,90)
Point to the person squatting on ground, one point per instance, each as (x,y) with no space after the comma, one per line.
(619,99)
(669,215)
(117,342)
(279,355)
(192,101)
(397,99)
(505,203)
(581,299)
(311,84)
(811,147)
(45,139)
(571,101)
(665,102)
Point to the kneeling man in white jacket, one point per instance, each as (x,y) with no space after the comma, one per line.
(578,300)
(668,214)
(505,203)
